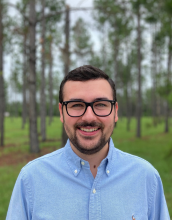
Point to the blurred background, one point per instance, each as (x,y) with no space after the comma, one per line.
(42,40)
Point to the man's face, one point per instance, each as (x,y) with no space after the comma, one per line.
(88,133)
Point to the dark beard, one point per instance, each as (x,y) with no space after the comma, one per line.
(74,140)
(94,150)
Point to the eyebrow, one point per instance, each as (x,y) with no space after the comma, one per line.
(76,100)
(102,98)
(97,99)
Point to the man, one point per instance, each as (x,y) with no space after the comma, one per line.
(89,178)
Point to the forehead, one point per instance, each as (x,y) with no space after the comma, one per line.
(87,90)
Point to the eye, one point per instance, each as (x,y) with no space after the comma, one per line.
(76,105)
(102,104)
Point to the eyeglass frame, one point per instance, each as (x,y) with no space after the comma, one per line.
(113,102)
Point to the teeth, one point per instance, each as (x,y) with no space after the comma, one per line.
(89,130)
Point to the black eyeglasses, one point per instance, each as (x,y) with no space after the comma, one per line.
(101,108)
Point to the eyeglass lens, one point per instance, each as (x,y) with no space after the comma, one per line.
(101,108)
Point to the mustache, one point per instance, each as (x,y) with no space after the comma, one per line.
(91,124)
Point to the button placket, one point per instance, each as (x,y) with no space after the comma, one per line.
(95,198)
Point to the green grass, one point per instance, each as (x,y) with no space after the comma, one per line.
(154,146)
(8,175)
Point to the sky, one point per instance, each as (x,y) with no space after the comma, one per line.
(80,3)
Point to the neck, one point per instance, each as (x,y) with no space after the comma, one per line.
(94,159)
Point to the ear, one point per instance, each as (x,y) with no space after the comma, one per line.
(61,112)
(116,111)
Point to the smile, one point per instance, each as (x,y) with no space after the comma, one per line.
(88,130)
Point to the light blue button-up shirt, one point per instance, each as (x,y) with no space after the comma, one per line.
(60,186)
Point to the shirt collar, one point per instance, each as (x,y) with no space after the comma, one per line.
(75,162)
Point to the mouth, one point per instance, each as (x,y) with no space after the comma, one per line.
(89,129)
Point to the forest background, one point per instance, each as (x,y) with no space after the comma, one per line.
(42,40)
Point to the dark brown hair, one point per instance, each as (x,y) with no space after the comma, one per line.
(85,73)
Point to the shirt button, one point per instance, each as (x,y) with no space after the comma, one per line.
(76,171)
(83,163)
(94,191)
(108,171)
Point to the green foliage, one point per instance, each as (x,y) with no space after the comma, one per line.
(22,5)
(137,4)
(81,43)
(112,13)
(164,87)
(16,75)
(168,6)
(159,39)
(97,61)
(151,19)
(54,6)
(52,9)
(8,23)
(106,10)
(166,92)
(169,98)
(81,38)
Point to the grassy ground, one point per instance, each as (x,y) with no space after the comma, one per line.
(154,146)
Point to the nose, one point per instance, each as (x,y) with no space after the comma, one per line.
(89,115)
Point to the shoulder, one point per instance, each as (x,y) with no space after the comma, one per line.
(44,162)
(135,164)
(137,171)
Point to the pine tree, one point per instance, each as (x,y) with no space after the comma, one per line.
(2,93)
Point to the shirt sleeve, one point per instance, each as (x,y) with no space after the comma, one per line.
(19,207)
(158,206)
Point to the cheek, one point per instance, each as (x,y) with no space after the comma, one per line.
(108,121)
(69,121)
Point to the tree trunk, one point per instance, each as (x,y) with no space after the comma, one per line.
(42,95)
(139,98)
(154,74)
(66,60)
(25,62)
(104,46)
(168,81)
(67,36)
(116,50)
(34,144)
(2,92)
(128,110)
(50,84)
